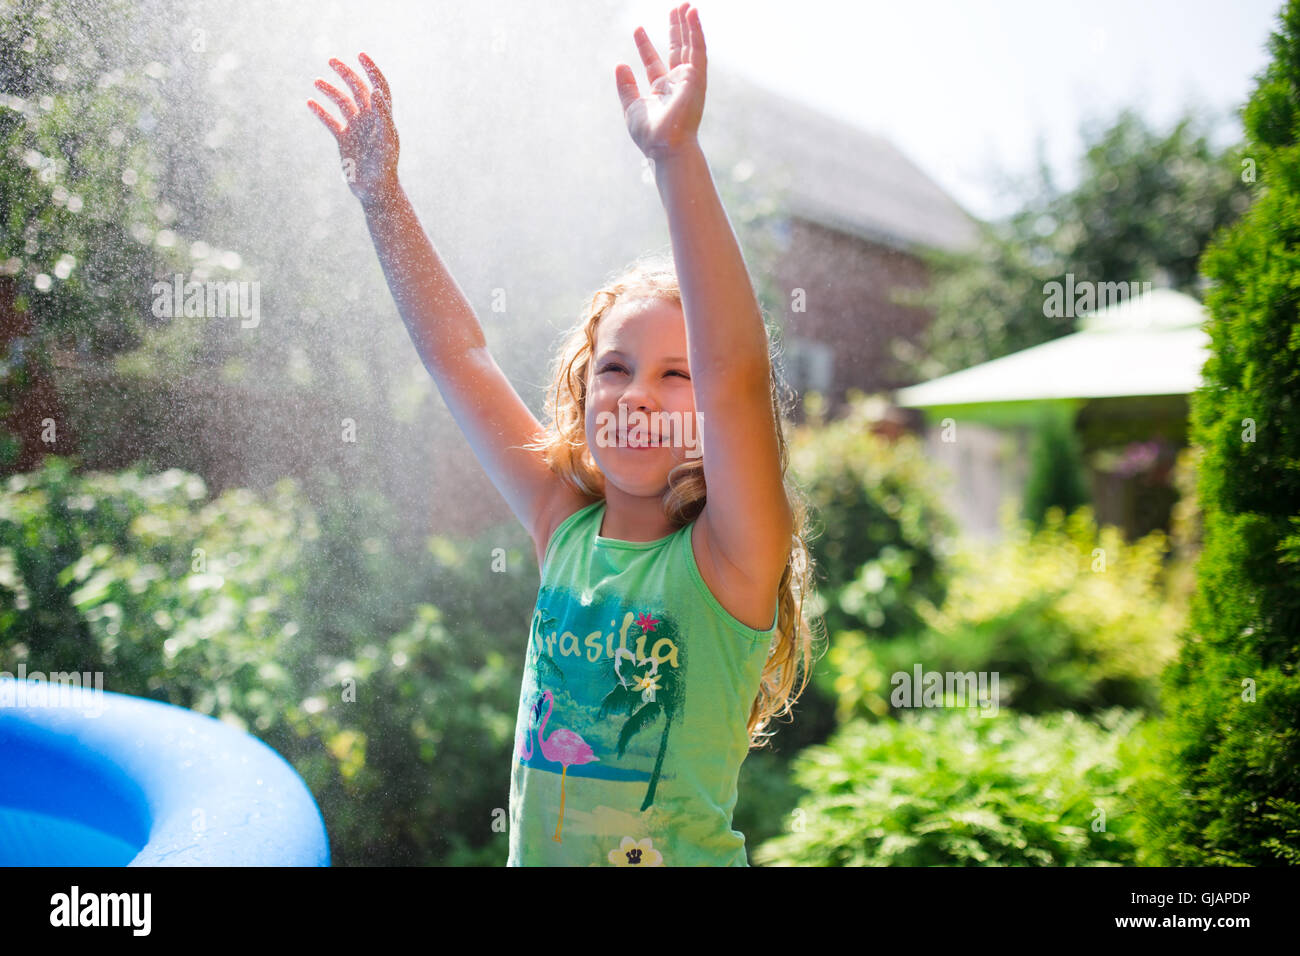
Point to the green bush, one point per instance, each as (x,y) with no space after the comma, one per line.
(878,537)
(880,533)
(1069,616)
(1229,793)
(299,625)
(1056,468)
(416,763)
(435,713)
(167,594)
(88,189)
(946,787)
(767,796)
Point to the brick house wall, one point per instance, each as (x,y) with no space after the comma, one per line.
(842,339)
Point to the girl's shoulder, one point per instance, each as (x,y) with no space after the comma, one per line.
(562,507)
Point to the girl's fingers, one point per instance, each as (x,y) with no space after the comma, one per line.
(353,81)
(330,122)
(674,37)
(654,67)
(698,55)
(346,105)
(625,80)
(376,78)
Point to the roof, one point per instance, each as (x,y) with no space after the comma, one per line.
(1153,344)
(833,172)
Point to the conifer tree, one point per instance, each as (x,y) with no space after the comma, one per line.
(1228,788)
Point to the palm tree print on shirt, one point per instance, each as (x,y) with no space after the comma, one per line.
(644,689)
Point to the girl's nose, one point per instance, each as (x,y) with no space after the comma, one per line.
(637,397)
(638,403)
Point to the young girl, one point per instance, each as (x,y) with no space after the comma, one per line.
(669,626)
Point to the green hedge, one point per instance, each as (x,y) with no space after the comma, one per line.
(946,787)
(1229,793)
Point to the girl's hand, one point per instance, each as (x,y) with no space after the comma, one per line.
(667,117)
(368,144)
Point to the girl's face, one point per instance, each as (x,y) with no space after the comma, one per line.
(640,363)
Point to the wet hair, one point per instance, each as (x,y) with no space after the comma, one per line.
(564,447)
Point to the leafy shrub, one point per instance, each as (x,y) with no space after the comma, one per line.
(167,594)
(1056,468)
(416,764)
(880,534)
(1069,616)
(259,612)
(767,796)
(946,787)
(438,714)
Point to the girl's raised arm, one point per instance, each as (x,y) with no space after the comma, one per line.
(747,516)
(440,320)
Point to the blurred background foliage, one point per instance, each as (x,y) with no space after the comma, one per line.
(91,198)
(389,677)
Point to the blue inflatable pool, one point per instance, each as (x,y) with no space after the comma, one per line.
(93,778)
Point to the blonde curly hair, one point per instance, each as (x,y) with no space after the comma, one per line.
(564,447)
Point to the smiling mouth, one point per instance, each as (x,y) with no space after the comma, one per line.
(646,442)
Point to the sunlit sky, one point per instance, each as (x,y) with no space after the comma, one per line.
(965,89)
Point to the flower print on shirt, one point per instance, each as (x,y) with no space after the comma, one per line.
(632,852)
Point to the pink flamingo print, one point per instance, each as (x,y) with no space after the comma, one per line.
(562,747)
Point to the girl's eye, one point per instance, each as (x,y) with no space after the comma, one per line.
(614,366)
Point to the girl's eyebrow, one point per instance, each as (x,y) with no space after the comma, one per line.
(669,360)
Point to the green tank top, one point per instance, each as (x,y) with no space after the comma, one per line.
(636,691)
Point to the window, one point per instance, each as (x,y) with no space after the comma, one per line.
(809,365)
